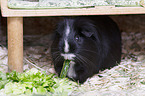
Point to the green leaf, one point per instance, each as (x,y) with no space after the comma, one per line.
(41,90)
(32,83)
(65,67)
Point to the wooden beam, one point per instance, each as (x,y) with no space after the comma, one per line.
(0,3)
(15,43)
(100,10)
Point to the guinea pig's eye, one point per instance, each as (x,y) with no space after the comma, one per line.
(77,38)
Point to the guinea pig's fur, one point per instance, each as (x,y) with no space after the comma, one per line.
(92,43)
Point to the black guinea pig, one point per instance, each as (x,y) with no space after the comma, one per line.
(92,43)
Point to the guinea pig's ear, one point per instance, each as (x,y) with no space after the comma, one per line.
(88,29)
(91,31)
(87,33)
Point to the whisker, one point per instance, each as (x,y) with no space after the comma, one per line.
(80,60)
(88,50)
(57,59)
(84,54)
(57,52)
(86,60)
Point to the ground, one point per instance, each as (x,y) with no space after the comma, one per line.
(126,79)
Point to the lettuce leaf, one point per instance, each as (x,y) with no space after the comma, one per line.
(33,83)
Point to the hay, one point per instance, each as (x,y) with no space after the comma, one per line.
(3,59)
(125,79)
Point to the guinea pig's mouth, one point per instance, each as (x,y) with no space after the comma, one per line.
(69,56)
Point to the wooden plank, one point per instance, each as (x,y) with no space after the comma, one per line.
(101,10)
(0,3)
(15,43)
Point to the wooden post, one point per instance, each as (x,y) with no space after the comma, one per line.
(15,43)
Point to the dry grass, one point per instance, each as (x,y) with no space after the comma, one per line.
(126,79)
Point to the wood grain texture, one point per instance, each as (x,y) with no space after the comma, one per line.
(15,43)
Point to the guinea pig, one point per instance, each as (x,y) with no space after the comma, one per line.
(92,43)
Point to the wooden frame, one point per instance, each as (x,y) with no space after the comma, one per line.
(15,43)
(100,10)
(15,25)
